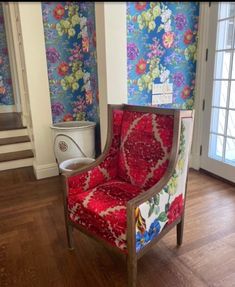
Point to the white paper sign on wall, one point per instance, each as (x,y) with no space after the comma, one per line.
(162,94)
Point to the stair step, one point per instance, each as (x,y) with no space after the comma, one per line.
(10,121)
(14,140)
(9,156)
(13,133)
(9,148)
(13,164)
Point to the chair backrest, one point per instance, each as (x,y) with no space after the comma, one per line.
(145,146)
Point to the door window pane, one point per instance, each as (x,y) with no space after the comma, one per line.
(233,69)
(225,33)
(231,124)
(220,92)
(218,120)
(230,151)
(222,65)
(226,10)
(232,96)
(216,146)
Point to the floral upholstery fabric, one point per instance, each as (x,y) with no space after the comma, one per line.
(107,169)
(102,210)
(137,159)
(146,141)
(167,206)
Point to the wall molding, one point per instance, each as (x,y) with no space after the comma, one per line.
(45,170)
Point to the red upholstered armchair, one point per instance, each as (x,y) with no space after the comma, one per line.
(134,193)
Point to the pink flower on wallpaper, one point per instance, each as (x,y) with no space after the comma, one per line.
(58,12)
(141,67)
(68,117)
(63,69)
(140,6)
(168,39)
(156,49)
(76,54)
(1,61)
(188,37)
(186,92)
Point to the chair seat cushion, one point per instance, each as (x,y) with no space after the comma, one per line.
(102,210)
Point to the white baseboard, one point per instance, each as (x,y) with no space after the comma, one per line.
(7,109)
(45,170)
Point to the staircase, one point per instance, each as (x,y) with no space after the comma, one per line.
(15,145)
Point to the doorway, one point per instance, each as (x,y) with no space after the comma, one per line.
(218,128)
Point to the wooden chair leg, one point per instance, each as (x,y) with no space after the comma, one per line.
(132,270)
(180,232)
(69,233)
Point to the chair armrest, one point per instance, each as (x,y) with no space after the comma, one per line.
(98,172)
(162,204)
(105,166)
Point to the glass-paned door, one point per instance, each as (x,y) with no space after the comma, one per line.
(218,145)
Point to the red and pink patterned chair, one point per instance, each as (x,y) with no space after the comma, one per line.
(134,193)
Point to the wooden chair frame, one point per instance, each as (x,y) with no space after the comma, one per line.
(132,256)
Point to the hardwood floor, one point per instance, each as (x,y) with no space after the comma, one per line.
(33,250)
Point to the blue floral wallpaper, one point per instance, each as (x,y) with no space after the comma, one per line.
(70,38)
(161,48)
(6,90)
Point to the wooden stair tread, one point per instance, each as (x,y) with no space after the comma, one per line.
(14,140)
(16,155)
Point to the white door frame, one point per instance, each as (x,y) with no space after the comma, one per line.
(203,37)
(202,87)
(15,47)
(16,106)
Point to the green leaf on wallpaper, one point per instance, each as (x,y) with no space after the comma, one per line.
(162,217)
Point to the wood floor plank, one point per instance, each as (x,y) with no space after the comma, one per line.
(33,250)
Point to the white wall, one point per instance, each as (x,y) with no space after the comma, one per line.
(38,88)
(111,57)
